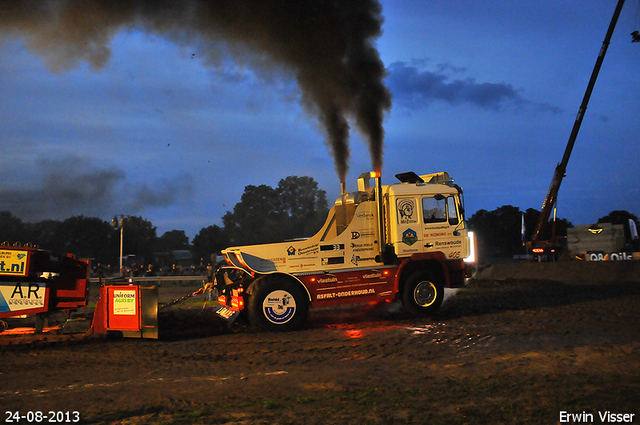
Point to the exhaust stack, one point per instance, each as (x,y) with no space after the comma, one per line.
(376,191)
(381,218)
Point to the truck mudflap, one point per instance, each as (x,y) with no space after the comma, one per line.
(458,273)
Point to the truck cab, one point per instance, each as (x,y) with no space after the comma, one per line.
(426,215)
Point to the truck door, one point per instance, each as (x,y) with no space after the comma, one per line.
(440,217)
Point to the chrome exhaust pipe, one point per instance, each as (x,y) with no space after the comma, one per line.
(381,228)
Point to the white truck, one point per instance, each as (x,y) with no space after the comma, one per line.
(403,241)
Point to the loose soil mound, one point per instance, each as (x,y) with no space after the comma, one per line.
(566,271)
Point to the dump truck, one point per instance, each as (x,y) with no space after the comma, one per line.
(405,241)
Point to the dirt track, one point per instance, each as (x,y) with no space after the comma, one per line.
(502,351)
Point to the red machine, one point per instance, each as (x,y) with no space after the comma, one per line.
(129,309)
(35,281)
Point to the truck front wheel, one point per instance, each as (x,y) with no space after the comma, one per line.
(276,304)
(422,294)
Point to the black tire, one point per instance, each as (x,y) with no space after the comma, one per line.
(277,304)
(422,294)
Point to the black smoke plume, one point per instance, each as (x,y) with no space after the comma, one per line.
(327,44)
(74,185)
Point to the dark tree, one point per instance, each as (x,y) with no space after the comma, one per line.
(304,206)
(561,225)
(256,218)
(139,238)
(499,232)
(173,240)
(297,208)
(12,229)
(209,241)
(85,237)
(43,233)
(620,217)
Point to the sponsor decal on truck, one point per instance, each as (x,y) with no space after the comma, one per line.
(343,294)
(406,210)
(14,263)
(409,237)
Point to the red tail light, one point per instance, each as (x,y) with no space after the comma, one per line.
(237,303)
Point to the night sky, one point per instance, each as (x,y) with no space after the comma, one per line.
(147,114)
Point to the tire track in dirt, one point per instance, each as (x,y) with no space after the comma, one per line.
(134,382)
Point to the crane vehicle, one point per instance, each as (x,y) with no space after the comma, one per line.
(549,250)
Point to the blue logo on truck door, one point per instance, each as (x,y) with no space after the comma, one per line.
(409,237)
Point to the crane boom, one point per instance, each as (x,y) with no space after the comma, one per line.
(561,168)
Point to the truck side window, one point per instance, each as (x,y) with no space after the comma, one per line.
(452,211)
(433,210)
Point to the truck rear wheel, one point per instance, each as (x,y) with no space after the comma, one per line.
(422,294)
(277,304)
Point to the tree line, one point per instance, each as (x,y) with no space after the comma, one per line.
(499,232)
(295,208)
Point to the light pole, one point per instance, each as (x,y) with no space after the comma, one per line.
(119,223)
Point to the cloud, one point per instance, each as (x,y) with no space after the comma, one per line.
(328,46)
(72,185)
(164,193)
(414,88)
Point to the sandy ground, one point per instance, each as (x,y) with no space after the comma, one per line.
(504,350)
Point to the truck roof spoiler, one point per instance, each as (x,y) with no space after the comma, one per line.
(411,177)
